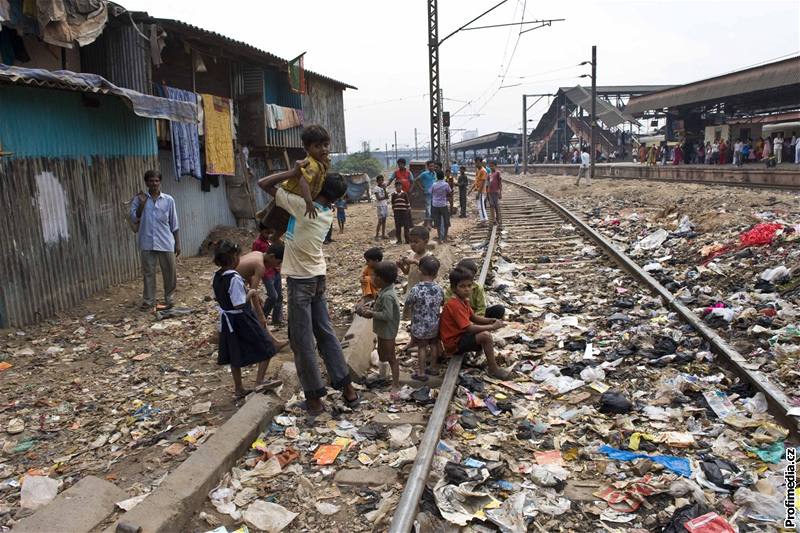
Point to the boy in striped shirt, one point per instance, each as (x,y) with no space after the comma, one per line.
(402,212)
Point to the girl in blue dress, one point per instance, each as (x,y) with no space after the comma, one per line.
(242,340)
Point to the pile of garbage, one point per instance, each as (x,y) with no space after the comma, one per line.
(616,418)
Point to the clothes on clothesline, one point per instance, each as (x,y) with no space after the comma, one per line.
(218,130)
(283,118)
(185,139)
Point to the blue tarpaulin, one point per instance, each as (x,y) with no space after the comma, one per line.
(143,105)
(357,187)
(679,465)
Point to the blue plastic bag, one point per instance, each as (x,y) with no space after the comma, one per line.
(679,465)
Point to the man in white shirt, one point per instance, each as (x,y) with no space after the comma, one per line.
(778,149)
(305,269)
(586,160)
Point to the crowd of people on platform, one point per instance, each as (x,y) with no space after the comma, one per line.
(770,150)
(293,229)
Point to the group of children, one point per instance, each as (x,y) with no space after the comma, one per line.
(442,323)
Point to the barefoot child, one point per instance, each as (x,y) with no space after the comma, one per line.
(272,275)
(424,301)
(243,341)
(379,190)
(305,181)
(462,330)
(385,315)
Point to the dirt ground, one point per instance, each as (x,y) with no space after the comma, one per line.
(107,390)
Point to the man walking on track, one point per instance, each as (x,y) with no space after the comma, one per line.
(156,220)
(495,192)
(586,160)
(480,187)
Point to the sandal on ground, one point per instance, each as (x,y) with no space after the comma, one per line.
(419,377)
(432,371)
(354,402)
(238,396)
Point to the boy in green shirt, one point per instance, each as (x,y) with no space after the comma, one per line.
(385,315)
(477,299)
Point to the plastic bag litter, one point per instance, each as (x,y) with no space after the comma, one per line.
(652,241)
(267,516)
(504,267)
(683,487)
(685,225)
(38,491)
(758,235)
(553,324)
(534,300)
(756,404)
(399,436)
(776,273)
(591,374)
(222,500)
(326,509)
(683,515)
(562,384)
(614,402)
(548,475)
(758,506)
(679,465)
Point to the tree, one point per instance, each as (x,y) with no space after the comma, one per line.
(359,162)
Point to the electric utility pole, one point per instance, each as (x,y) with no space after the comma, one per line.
(594,106)
(434,74)
(525,108)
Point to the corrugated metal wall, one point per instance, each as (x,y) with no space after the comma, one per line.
(64,197)
(198,212)
(324,104)
(121,56)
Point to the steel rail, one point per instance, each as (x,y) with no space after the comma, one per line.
(778,402)
(406,511)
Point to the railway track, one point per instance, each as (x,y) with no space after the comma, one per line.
(601,355)
(550,252)
(786,180)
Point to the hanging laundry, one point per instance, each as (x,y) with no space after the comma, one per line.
(218,135)
(185,140)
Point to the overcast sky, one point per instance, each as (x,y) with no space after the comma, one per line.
(380,46)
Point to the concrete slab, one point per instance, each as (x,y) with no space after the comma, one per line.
(173,503)
(366,476)
(398,419)
(357,347)
(78,509)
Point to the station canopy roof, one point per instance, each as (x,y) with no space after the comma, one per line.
(773,86)
(490,140)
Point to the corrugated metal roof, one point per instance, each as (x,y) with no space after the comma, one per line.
(777,75)
(607,113)
(143,105)
(490,140)
(611,90)
(241,45)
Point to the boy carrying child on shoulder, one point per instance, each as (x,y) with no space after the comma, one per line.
(385,315)
(462,330)
(307,183)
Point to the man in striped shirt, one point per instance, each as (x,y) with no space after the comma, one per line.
(402,212)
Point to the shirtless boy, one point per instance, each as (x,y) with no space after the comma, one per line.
(251,267)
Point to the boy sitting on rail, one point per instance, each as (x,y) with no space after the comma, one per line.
(477,299)
(461,330)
